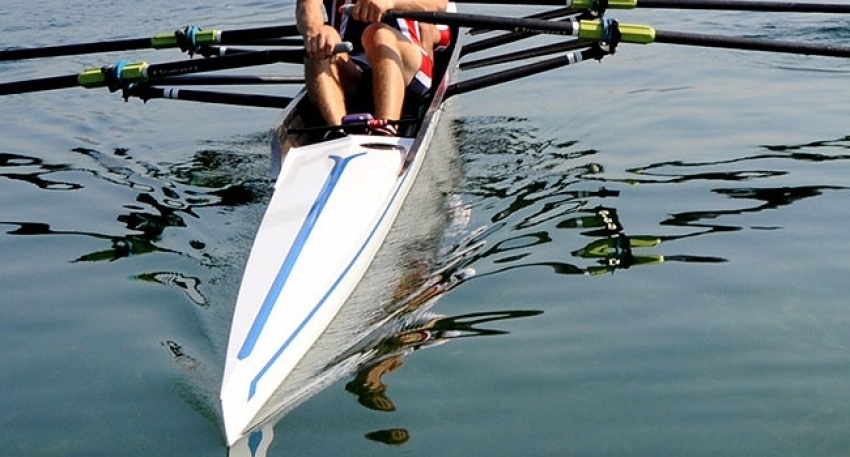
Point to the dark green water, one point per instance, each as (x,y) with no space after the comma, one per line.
(707,316)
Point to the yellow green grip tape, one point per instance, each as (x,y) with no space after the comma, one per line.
(169,40)
(629,33)
(615,4)
(131,73)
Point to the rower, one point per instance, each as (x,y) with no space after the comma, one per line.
(390,64)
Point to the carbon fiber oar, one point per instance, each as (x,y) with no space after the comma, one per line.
(188,36)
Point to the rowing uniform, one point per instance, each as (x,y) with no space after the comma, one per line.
(351,30)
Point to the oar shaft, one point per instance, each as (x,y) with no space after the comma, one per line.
(239,60)
(221,98)
(36,85)
(747,5)
(722,5)
(544,15)
(142,71)
(575,4)
(287,41)
(259,33)
(525,54)
(238,80)
(507,38)
(750,44)
(75,49)
(523,71)
(161,41)
(519,25)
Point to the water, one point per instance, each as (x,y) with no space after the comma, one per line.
(709,319)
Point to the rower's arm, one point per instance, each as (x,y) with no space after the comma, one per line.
(420,5)
(308,16)
(320,39)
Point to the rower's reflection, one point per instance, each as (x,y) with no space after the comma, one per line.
(418,328)
(368,384)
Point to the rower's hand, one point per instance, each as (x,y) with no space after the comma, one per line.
(371,10)
(320,44)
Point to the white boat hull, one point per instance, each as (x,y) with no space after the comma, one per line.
(332,207)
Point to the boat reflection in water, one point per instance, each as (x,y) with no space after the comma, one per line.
(410,325)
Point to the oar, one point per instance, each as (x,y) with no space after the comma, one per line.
(545,15)
(750,44)
(523,71)
(747,5)
(224,98)
(166,40)
(629,33)
(507,38)
(495,41)
(724,5)
(580,28)
(526,54)
(287,41)
(122,75)
(228,80)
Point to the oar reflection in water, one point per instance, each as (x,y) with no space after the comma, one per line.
(611,248)
(777,171)
(159,203)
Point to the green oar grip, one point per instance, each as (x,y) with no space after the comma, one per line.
(629,33)
(612,4)
(130,73)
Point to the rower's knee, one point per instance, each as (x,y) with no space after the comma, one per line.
(379,36)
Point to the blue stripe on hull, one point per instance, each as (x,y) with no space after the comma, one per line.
(292,257)
(253,387)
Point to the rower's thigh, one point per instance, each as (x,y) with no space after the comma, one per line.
(383,41)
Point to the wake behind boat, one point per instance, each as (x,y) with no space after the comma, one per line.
(333,204)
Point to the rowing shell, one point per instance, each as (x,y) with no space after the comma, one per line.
(333,205)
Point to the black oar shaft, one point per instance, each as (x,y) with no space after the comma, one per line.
(260,33)
(221,98)
(288,41)
(36,85)
(523,71)
(514,2)
(722,5)
(141,72)
(525,54)
(747,5)
(519,25)
(239,60)
(544,15)
(213,80)
(207,37)
(75,49)
(750,44)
